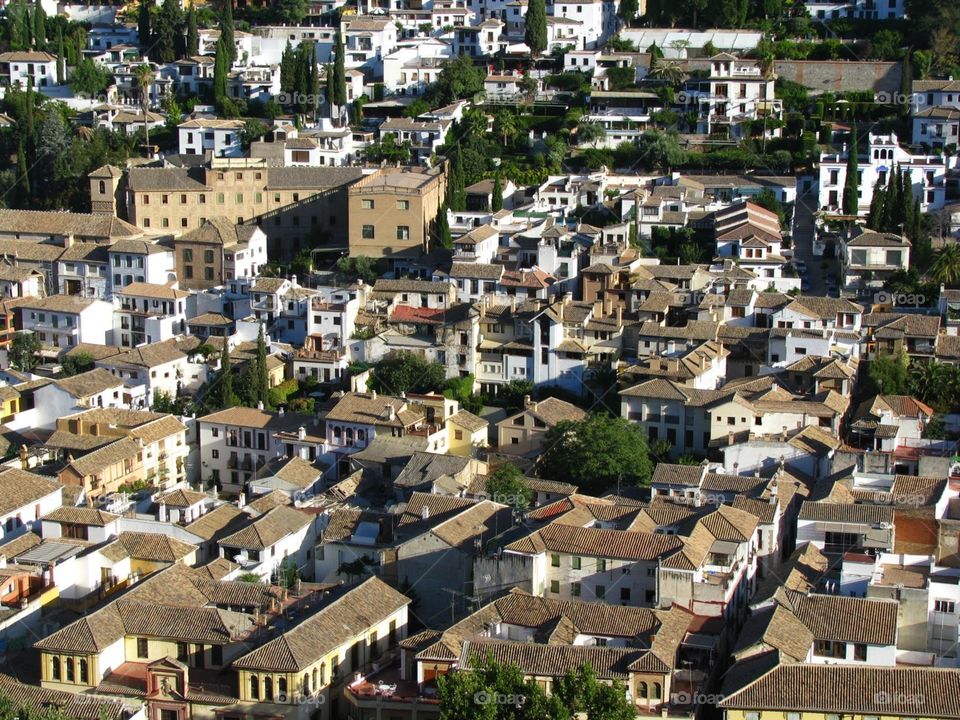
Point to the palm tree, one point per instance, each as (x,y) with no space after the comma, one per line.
(590,133)
(668,71)
(929,380)
(505,125)
(945,267)
(85,133)
(144,75)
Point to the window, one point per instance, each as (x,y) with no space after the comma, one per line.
(69,669)
(187,255)
(219,198)
(601,565)
(55,668)
(367,204)
(944,606)
(600,592)
(143,648)
(182,654)
(164,199)
(403,204)
(625,594)
(554,586)
(575,563)
(208,256)
(366,232)
(860,652)
(403,232)
(555,560)
(575,589)
(254,687)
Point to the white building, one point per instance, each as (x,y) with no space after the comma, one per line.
(737,92)
(18,68)
(221,137)
(149,313)
(140,261)
(62,321)
(857,9)
(936,127)
(926,174)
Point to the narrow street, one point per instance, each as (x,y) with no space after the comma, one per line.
(803,233)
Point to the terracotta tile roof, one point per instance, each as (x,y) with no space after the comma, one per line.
(853,690)
(80,516)
(105,457)
(594,542)
(76,706)
(154,546)
(19,488)
(775,627)
(846,513)
(224,519)
(846,619)
(550,661)
(671,474)
(82,225)
(299,473)
(351,614)
(268,529)
(181,498)
(478,523)
(89,383)
(370,409)
(266,503)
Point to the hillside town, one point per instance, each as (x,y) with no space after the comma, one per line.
(442,360)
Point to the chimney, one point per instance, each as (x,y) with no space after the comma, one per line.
(260,405)
(783,434)
(293,281)
(373,395)
(730,437)
(162,512)
(513,303)
(619,315)
(301,432)
(597,309)
(391,412)
(425,512)
(241,500)
(280,412)
(607,305)
(3,561)
(526,401)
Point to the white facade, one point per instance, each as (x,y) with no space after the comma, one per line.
(63,321)
(221,137)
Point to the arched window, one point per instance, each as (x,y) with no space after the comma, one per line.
(254,687)
(323,673)
(69,669)
(361,435)
(642,690)
(657,691)
(55,667)
(305,685)
(282,687)
(337,432)
(83,670)
(315,685)
(268,689)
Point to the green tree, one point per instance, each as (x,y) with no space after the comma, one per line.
(458,79)
(339,74)
(221,69)
(513,393)
(22,351)
(506,485)
(890,375)
(288,69)
(535,27)
(227,32)
(505,125)
(590,134)
(89,78)
(596,453)
(417,108)
(291,12)
(193,35)
(39,27)
(23,173)
(496,202)
(945,267)
(169,41)
(144,77)
(144,23)
(76,363)
(401,372)
(262,378)
(477,693)
(660,150)
(875,214)
(628,11)
(851,188)
(225,378)
(361,267)
(580,692)
(442,233)
(61,59)
(164,402)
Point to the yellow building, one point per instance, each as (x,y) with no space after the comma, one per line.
(847,691)
(305,668)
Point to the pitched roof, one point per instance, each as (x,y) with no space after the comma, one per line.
(77,706)
(349,615)
(80,516)
(89,383)
(268,529)
(19,488)
(853,689)
(847,619)
(594,542)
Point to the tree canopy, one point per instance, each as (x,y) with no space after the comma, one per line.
(506,486)
(401,372)
(22,352)
(459,79)
(596,453)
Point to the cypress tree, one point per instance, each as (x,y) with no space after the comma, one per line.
(226,377)
(875,216)
(226,31)
(23,175)
(61,75)
(496,204)
(905,215)
(39,27)
(906,82)
(890,202)
(169,41)
(193,35)
(143,24)
(27,22)
(917,230)
(314,89)
(287,69)
(339,74)
(851,185)
(262,381)
(14,25)
(220,69)
(444,239)
(535,33)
